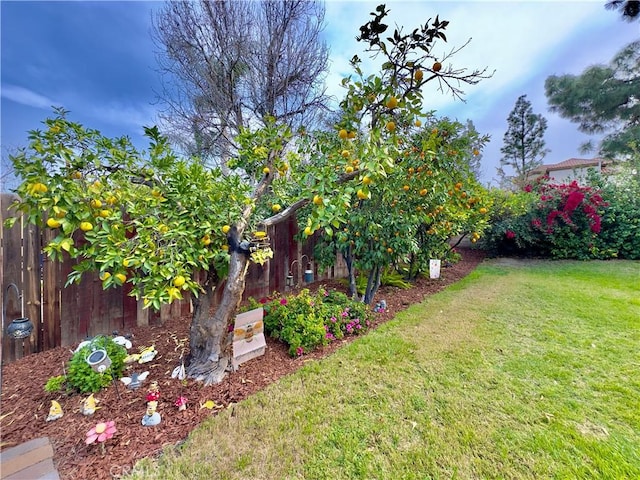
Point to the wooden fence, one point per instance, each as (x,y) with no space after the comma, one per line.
(64,316)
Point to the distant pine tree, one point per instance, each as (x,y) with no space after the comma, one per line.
(524,145)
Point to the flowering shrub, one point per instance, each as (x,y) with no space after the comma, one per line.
(569,219)
(559,221)
(306,321)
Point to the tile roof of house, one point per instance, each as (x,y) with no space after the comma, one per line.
(570,164)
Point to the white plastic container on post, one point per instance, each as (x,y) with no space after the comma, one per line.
(434,268)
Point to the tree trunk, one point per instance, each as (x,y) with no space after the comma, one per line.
(348,259)
(211,336)
(373,283)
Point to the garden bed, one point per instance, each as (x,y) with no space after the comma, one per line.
(25,404)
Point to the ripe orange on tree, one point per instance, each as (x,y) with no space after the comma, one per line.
(392,102)
(53,223)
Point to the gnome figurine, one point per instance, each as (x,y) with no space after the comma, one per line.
(151,417)
(90,405)
(153,395)
(55,412)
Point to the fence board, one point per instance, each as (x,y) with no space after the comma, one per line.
(32,282)
(13,273)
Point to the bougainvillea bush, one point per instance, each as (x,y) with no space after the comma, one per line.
(552,220)
(308,320)
(568,219)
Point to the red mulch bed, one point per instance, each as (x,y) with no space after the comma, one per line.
(25,404)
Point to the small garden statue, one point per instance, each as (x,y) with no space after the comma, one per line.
(55,411)
(135,380)
(151,417)
(380,307)
(90,405)
(181,403)
(153,395)
(148,354)
(123,341)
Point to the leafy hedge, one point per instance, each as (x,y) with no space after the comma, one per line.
(598,221)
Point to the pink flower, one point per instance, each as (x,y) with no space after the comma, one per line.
(283,301)
(574,199)
(299,351)
(101,432)
(510,234)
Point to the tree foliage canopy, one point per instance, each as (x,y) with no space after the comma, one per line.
(603,99)
(629,9)
(524,145)
(228,65)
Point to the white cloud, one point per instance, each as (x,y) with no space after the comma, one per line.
(516,39)
(130,115)
(27,97)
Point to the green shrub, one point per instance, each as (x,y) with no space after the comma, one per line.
(620,236)
(306,321)
(81,376)
(55,384)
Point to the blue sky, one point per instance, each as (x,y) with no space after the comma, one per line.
(97,60)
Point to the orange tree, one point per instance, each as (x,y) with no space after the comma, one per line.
(409,215)
(154,220)
(413,189)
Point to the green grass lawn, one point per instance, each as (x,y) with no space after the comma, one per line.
(521,371)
